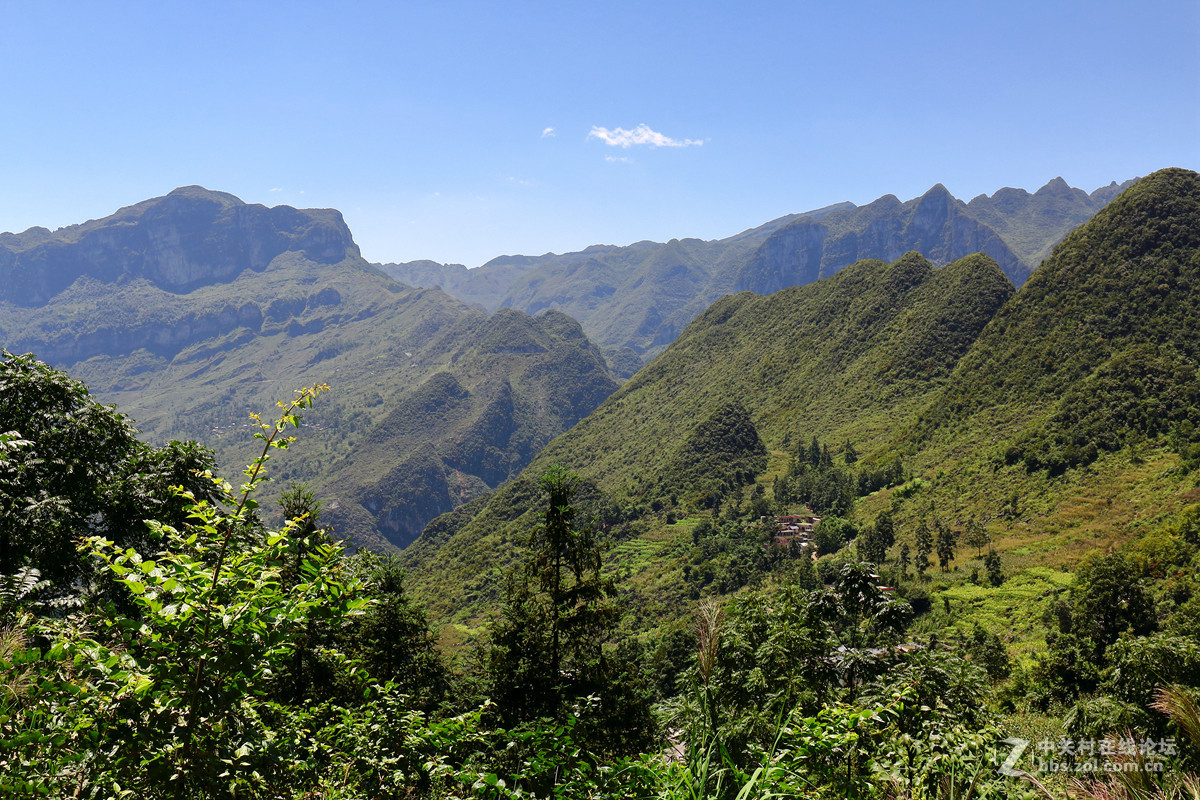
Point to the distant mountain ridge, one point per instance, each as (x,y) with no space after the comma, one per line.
(640,297)
(194,309)
(191,237)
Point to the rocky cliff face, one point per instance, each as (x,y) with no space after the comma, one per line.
(935,224)
(167,273)
(113,325)
(190,238)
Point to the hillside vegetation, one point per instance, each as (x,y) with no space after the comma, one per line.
(851,357)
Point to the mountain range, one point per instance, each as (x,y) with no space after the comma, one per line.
(636,299)
(1057,413)
(194,309)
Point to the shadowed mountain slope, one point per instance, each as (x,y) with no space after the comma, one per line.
(513,385)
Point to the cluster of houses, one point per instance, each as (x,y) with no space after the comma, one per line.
(794,527)
(799,528)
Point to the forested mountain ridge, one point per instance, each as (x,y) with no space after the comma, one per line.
(1100,346)
(192,310)
(641,296)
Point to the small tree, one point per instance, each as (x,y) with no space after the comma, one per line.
(976,536)
(885,529)
(994,571)
(814,453)
(832,533)
(870,546)
(924,547)
(947,540)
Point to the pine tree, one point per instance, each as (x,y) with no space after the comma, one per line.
(947,540)
(885,526)
(994,570)
(924,547)
(548,650)
(905,560)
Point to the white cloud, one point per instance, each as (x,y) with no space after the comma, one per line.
(277,189)
(618,159)
(548,132)
(642,134)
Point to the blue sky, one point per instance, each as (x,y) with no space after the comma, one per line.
(459,131)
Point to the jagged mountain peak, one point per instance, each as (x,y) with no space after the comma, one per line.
(1057,187)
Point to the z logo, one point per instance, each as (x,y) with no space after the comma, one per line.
(1018,746)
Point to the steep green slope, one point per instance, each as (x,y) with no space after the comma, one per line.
(193,310)
(1100,347)
(1069,427)
(848,357)
(1061,417)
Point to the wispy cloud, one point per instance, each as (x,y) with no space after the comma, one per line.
(277,189)
(548,132)
(619,159)
(642,134)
